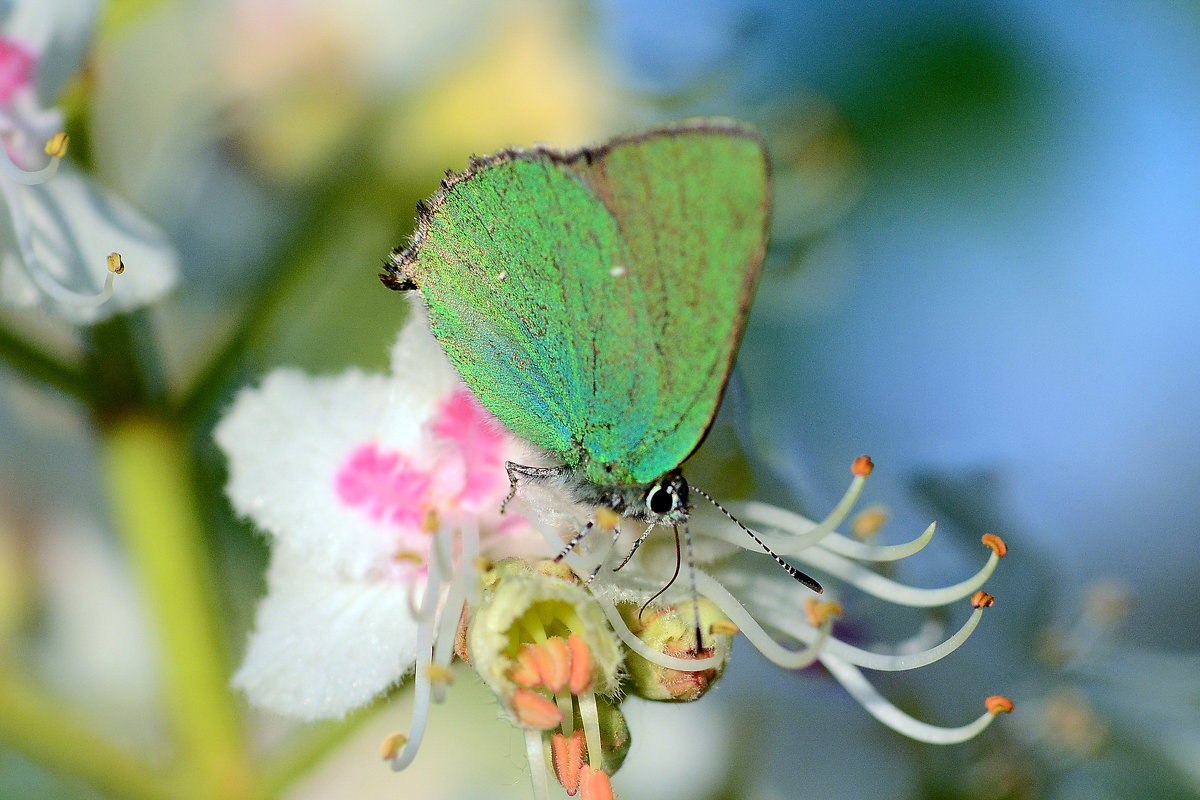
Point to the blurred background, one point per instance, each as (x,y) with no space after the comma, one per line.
(983,272)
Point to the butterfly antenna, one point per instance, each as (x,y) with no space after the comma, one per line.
(810,582)
(687,537)
(635,547)
(678,561)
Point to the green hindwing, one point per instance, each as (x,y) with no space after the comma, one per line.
(594,300)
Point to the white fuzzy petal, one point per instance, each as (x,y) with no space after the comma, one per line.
(418,361)
(324,645)
(286,441)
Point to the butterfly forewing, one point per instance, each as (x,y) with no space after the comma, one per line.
(515,266)
(594,300)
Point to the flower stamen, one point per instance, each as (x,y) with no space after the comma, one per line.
(56,148)
(45,281)
(852,679)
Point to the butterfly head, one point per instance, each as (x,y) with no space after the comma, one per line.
(666,500)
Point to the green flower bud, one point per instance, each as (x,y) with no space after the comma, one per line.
(671,630)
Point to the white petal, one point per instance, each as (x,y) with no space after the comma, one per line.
(75,225)
(286,441)
(324,645)
(418,361)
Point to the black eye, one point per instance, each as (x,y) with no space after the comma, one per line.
(659,500)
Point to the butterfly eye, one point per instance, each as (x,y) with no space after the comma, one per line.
(659,500)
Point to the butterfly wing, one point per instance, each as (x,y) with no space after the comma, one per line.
(693,205)
(514,260)
(594,300)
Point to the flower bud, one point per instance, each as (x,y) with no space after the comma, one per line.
(671,630)
(536,631)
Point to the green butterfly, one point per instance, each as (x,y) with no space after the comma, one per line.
(593,300)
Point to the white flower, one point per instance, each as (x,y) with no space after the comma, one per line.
(59,228)
(373,489)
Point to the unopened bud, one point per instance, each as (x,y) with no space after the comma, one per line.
(672,631)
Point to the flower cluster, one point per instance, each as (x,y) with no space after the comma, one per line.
(382,496)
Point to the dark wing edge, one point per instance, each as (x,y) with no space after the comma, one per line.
(398,273)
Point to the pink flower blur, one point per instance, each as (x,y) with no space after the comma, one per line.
(16,68)
(457,466)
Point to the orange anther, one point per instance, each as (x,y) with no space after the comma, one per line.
(862,466)
(391,745)
(553,661)
(595,784)
(524,672)
(607,519)
(819,611)
(869,522)
(982,599)
(535,711)
(724,627)
(996,543)
(580,678)
(998,704)
(566,753)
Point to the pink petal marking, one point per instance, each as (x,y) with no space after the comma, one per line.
(480,438)
(384,485)
(16,68)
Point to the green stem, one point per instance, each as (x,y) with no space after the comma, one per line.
(26,360)
(48,732)
(151,491)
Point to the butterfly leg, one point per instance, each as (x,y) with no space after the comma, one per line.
(518,471)
(600,565)
(575,540)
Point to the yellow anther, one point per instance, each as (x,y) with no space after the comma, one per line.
(998,704)
(820,611)
(115,265)
(439,674)
(862,466)
(391,745)
(556,569)
(724,627)
(982,599)
(56,146)
(995,543)
(607,519)
(431,523)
